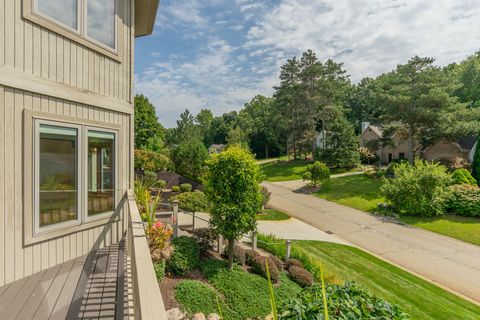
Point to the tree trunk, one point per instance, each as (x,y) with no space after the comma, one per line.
(266,151)
(231,243)
(411,146)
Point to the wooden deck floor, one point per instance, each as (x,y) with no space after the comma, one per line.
(94,286)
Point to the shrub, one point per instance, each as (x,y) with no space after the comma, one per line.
(250,256)
(239,255)
(316,172)
(196,296)
(476,161)
(463,176)
(205,238)
(347,301)
(421,189)
(150,174)
(176,188)
(300,276)
(185,187)
(258,264)
(159,268)
(464,201)
(189,158)
(366,156)
(185,256)
(390,172)
(161,184)
(192,201)
(266,195)
(293,262)
(279,263)
(151,161)
(159,235)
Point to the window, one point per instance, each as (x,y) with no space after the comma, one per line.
(58,174)
(101,177)
(94,20)
(401,156)
(60,196)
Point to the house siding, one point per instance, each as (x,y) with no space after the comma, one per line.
(39,53)
(445,151)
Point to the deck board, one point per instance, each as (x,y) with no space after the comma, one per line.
(89,287)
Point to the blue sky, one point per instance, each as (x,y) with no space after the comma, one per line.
(219,54)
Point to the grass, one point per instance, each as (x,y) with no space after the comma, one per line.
(273,215)
(363,193)
(242,295)
(359,191)
(415,296)
(284,170)
(462,228)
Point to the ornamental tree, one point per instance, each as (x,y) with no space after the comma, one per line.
(232,188)
(317,172)
(195,201)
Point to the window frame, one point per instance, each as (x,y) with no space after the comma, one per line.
(32,231)
(78,35)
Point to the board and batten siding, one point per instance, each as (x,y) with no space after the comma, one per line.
(62,68)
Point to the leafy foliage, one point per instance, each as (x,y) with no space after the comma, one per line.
(463,176)
(195,201)
(189,158)
(146,122)
(159,268)
(266,195)
(185,187)
(464,201)
(205,238)
(317,172)
(476,162)
(420,189)
(151,161)
(233,190)
(185,256)
(147,205)
(159,235)
(344,302)
(196,296)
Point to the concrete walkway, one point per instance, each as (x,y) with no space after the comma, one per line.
(297,184)
(448,262)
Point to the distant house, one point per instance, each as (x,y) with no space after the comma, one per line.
(444,151)
(216,148)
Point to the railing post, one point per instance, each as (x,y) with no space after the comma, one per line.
(289,249)
(254,240)
(175,218)
(220,243)
(193,220)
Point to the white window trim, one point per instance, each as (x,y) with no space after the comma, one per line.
(82,176)
(77,35)
(102,215)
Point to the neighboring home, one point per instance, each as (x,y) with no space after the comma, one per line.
(216,148)
(66,139)
(448,152)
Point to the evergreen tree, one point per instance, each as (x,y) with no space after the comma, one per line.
(146,122)
(476,162)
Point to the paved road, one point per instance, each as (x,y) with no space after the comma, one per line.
(445,261)
(297,184)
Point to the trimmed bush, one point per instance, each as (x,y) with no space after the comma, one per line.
(418,190)
(161,184)
(300,276)
(259,267)
(159,268)
(279,263)
(250,256)
(238,254)
(346,301)
(176,188)
(464,201)
(316,172)
(205,238)
(293,262)
(185,187)
(185,256)
(463,176)
(150,174)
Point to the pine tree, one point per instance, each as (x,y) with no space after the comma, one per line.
(476,162)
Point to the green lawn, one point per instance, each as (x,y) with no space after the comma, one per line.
(273,214)
(360,192)
(419,298)
(462,228)
(284,170)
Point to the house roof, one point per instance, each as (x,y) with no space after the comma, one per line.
(145,14)
(218,146)
(467,143)
(378,130)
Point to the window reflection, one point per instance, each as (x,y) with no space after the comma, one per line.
(101,21)
(101,172)
(64,11)
(57,174)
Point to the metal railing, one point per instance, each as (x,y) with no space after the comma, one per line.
(147,298)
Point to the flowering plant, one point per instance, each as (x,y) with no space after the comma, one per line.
(159,235)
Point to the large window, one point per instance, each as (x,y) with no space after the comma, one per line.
(75,174)
(92,19)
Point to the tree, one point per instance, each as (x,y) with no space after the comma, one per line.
(155,144)
(468,74)
(476,162)
(236,137)
(341,143)
(186,129)
(189,158)
(145,121)
(204,121)
(233,190)
(418,95)
(317,172)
